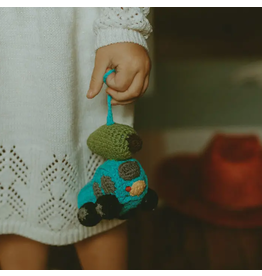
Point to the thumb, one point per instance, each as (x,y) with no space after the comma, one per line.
(96,82)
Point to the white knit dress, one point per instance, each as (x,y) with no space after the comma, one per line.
(46,60)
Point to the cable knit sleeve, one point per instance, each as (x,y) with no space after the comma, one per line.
(122,25)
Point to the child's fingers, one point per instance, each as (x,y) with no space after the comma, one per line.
(114,102)
(145,86)
(122,80)
(132,92)
(146,82)
(96,82)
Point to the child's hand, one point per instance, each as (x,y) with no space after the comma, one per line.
(130,81)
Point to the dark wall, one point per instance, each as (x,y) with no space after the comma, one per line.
(198,52)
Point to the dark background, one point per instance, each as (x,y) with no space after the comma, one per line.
(197,51)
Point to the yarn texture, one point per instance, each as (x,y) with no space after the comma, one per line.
(119,187)
(123,24)
(110,169)
(114,142)
(47,57)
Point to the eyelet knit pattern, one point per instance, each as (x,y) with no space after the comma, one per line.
(122,24)
(47,57)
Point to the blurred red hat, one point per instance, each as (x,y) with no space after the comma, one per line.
(222,185)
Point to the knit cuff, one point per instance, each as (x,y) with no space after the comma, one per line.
(115,35)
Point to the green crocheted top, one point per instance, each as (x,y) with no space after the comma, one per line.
(114,141)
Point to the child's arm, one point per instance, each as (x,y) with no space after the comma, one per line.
(130,60)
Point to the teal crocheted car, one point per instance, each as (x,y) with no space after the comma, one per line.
(117,190)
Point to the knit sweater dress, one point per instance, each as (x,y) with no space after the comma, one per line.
(46,60)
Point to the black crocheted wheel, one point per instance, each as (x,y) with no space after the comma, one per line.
(108,206)
(87,215)
(150,200)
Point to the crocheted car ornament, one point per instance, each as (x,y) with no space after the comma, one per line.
(119,186)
